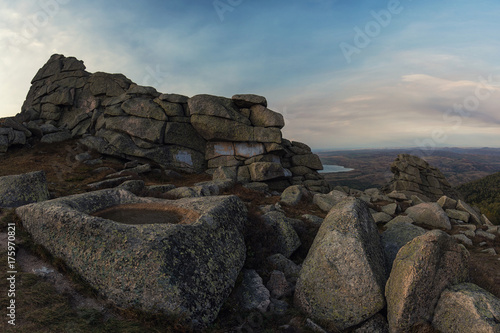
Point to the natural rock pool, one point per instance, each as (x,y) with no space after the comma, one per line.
(330,168)
(179,258)
(148,214)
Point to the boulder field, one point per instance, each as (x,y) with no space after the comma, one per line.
(361,273)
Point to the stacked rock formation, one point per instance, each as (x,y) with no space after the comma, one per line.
(117,117)
(414,176)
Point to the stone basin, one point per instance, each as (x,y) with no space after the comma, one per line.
(181,258)
(148,213)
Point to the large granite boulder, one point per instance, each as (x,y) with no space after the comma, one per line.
(261,171)
(447,203)
(311,161)
(145,108)
(342,280)
(109,85)
(292,195)
(248,100)
(19,190)
(458,215)
(395,237)
(261,116)
(286,240)
(466,308)
(429,214)
(56,137)
(143,128)
(326,201)
(219,129)
(475,217)
(376,324)
(252,294)
(215,106)
(183,134)
(423,268)
(185,266)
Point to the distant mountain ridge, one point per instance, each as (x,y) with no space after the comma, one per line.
(485,193)
(372,166)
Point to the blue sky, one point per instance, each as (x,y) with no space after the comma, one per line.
(345,74)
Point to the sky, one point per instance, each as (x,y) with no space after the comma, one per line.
(345,74)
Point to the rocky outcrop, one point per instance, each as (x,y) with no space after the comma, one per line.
(342,280)
(423,268)
(186,268)
(19,190)
(414,176)
(117,117)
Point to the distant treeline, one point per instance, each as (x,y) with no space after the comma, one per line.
(484,193)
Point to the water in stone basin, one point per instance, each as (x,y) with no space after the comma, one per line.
(147,214)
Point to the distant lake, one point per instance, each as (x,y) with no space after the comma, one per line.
(333,168)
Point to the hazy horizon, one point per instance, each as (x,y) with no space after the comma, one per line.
(399,148)
(365,75)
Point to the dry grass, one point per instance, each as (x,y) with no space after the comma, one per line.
(64,174)
(186,179)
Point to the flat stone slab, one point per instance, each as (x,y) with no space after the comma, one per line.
(186,268)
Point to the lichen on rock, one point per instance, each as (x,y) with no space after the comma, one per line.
(342,280)
(185,270)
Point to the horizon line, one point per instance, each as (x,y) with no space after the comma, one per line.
(323,150)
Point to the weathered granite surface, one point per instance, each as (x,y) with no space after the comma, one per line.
(18,190)
(186,269)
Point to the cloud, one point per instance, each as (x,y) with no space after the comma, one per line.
(406,110)
(399,89)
